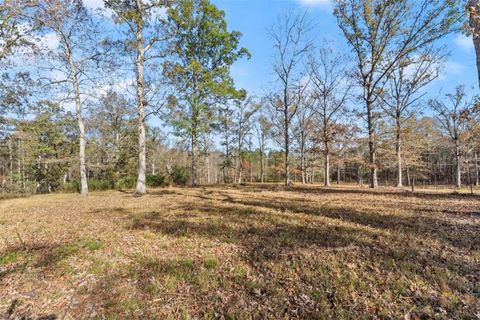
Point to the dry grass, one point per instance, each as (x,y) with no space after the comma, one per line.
(241,252)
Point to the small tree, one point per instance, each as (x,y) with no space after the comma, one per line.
(291,43)
(263,131)
(243,124)
(331,87)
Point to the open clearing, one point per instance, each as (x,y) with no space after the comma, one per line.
(241,252)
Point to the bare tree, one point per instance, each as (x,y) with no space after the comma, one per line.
(303,122)
(291,44)
(454,118)
(402,93)
(263,131)
(243,123)
(331,88)
(382,33)
(225,128)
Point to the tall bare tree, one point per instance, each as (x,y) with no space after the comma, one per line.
(291,43)
(243,124)
(303,123)
(331,85)
(382,33)
(263,130)
(402,93)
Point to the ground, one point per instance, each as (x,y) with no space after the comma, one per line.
(246,252)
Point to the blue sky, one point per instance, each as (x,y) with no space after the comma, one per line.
(253,17)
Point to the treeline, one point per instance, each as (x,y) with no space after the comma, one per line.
(140,95)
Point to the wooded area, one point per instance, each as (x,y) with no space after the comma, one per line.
(347,189)
(360,117)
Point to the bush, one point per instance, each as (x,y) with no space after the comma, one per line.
(155,181)
(180,175)
(126,183)
(100,185)
(70,187)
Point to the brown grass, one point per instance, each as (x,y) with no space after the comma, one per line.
(247,252)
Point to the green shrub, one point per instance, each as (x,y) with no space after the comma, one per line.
(126,183)
(100,185)
(180,175)
(155,181)
(70,187)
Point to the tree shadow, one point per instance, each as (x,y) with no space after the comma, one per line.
(419,225)
(266,239)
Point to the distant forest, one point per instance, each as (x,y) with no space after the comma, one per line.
(140,94)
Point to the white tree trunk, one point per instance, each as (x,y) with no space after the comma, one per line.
(326,170)
(458,160)
(81,127)
(477,178)
(371,146)
(141,187)
(399,155)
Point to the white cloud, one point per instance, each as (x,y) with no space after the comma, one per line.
(463,42)
(451,69)
(315,3)
(94,4)
(49,41)
(455,68)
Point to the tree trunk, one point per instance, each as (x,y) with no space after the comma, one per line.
(409,180)
(371,146)
(287,150)
(10,159)
(194,159)
(326,169)
(338,173)
(207,168)
(359,176)
(262,166)
(81,127)
(142,149)
(399,152)
(251,169)
(286,135)
(458,159)
(302,161)
(22,167)
(477,178)
(240,169)
(474,10)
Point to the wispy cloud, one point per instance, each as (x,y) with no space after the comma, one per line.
(463,42)
(316,3)
(94,4)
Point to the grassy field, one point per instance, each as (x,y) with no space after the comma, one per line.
(244,252)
